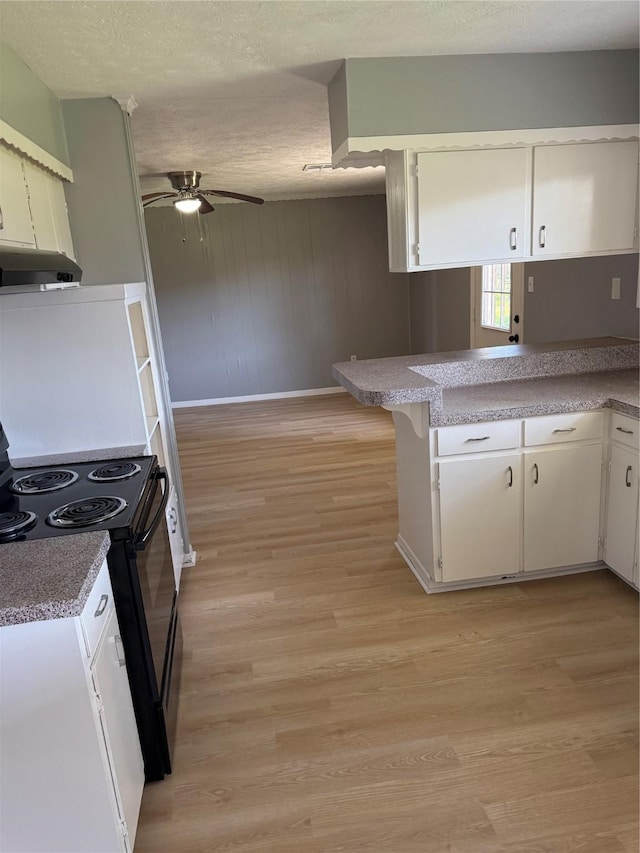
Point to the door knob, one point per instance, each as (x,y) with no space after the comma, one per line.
(514,338)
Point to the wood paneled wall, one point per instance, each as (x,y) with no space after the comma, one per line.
(256,300)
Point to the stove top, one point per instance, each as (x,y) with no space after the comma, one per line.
(38,503)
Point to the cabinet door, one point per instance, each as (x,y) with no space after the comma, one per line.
(48,210)
(584,198)
(480,511)
(561,506)
(622,512)
(15,215)
(119,725)
(472,205)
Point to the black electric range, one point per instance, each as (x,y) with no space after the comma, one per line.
(56,500)
(126,497)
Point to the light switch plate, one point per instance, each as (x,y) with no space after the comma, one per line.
(615,288)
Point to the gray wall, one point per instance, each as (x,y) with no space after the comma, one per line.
(440,305)
(29,106)
(572,299)
(102,201)
(273,295)
(445,94)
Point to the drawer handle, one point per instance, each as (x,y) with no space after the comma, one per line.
(483,438)
(102,606)
(625,431)
(536,476)
(627,478)
(568,429)
(510,470)
(119,650)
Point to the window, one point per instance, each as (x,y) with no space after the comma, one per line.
(496,297)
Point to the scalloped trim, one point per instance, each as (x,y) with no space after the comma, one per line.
(362,151)
(25,146)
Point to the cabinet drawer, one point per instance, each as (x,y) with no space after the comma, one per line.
(625,430)
(477,438)
(557,428)
(97,610)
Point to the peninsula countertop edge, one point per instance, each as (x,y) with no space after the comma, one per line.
(496,383)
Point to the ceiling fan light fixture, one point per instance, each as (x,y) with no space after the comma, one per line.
(187,202)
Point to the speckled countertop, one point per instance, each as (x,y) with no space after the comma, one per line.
(79,456)
(52,578)
(496,383)
(49,578)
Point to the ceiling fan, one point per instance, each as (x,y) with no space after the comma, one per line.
(188,197)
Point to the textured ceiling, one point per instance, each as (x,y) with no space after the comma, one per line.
(237,89)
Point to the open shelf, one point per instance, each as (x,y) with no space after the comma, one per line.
(138,332)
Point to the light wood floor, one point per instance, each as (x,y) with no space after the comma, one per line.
(330,706)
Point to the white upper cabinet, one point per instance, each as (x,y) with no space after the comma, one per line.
(16,228)
(472,205)
(33,206)
(48,210)
(584,198)
(521,203)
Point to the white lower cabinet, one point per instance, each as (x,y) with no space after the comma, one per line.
(480,517)
(500,499)
(621,519)
(71,775)
(622,514)
(561,506)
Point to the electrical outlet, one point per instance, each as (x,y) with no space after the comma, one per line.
(530,284)
(615,288)
(354,358)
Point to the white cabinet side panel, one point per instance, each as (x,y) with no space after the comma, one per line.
(396,190)
(68,379)
(54,794)
(414,491)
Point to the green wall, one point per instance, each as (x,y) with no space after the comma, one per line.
(29,106)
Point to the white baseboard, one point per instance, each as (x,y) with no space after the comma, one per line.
(430,586)
(249,398)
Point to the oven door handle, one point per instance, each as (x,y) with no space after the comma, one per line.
(141,541)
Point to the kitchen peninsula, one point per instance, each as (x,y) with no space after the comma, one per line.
(513,462)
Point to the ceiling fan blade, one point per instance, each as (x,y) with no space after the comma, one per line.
(240,196)
(205,207)
(149,198)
